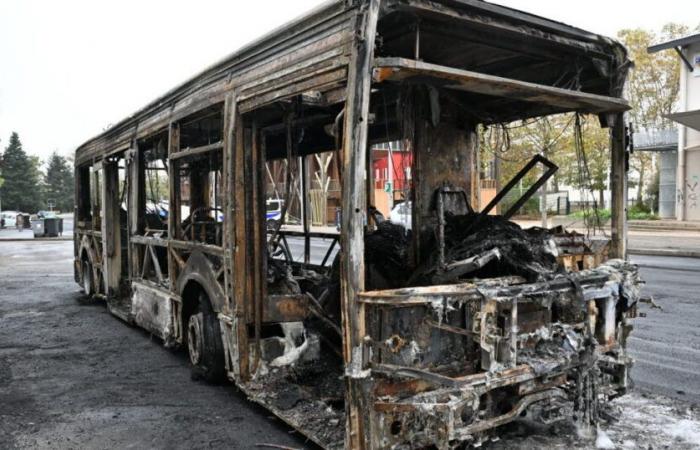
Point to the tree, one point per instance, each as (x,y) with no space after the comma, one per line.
(652,87)
(58,182)
(21,190)
(593,173)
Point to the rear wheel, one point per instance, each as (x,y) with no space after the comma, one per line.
(87,278)
(204,342)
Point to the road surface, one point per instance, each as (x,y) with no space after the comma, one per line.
(666,343)
(72,376)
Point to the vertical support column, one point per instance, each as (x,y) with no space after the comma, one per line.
(137,205)
(305,216)
(174,201)
(241,276)
(228,238)
(227,325)
(353,218)
(618,186)
(111,237)
(681,169)
(370,181)
(259,223)
(445,148)
(96,181)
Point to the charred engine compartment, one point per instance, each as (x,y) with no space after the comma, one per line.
(523,320)
(511,322)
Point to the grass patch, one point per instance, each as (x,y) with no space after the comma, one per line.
(633,213)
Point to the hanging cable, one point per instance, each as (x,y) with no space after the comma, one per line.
(584,176)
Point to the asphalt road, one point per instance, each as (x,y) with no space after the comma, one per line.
(319,248)
(72,376)
(666,343)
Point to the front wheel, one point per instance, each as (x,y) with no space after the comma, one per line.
(204,342)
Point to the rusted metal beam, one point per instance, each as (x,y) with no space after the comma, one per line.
(174,199)
(193,151)
(551,170)
(399,69)
(111,232)
(618,186)
(353,220)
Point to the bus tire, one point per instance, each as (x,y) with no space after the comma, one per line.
(204,344)
(88,282)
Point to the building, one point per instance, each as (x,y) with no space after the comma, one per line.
(664,143)
(391,167)
(688,117)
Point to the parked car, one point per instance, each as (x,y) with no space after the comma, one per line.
(273,212)
(46,214)
(9,218)
(402,214)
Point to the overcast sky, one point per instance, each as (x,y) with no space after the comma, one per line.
(70,68)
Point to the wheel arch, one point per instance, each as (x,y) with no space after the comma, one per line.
(87,252)
(198,276)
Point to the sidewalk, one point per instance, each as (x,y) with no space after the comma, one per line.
(645,237)
(11,234)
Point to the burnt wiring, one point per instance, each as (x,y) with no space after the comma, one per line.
(584,178)
(404,150)
(501,134)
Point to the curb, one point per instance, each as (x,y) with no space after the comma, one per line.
(61,239)
(664,252)
(665,225)
(638,228)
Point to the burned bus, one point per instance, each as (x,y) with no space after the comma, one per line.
(366,334)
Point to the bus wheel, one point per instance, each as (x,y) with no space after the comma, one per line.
(87,278)
(204,342)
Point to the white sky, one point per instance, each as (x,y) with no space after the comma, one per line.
(70,68)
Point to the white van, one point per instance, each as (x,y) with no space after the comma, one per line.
(9,218)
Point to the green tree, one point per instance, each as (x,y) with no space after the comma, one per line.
(58,182)
(21,190)
(593,173)
(652,88)
(2,181)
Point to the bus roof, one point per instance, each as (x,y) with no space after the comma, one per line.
(322,36)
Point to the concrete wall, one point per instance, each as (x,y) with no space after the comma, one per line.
(688,176)
(667,184)
(692,98)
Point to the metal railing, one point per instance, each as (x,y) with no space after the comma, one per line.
(656,139)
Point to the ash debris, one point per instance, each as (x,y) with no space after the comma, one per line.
(387,255)
(493,245)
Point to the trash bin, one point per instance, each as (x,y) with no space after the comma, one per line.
(23,222)
(52,226)
(38,228)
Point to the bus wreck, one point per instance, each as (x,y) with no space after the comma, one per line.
(432,337)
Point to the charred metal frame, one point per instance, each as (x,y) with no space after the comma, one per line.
(333,60)
(551,170)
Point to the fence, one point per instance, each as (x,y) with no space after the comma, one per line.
(557,202)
